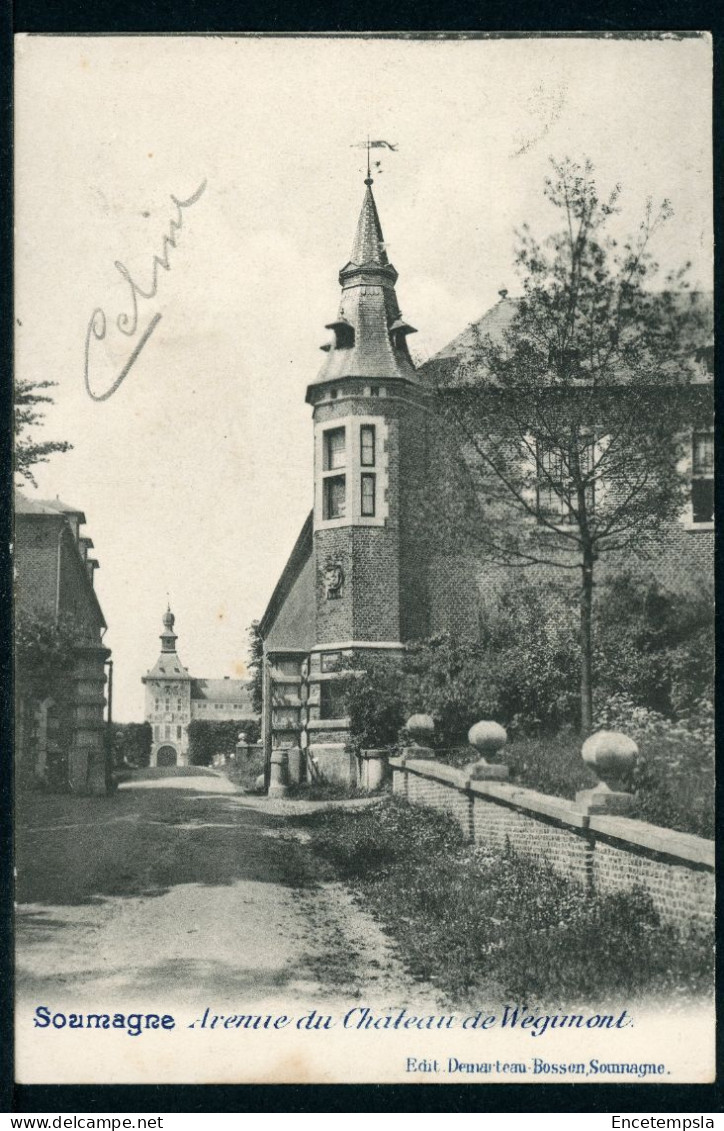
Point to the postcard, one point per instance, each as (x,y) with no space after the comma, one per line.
(364,454)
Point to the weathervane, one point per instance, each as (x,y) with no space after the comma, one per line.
(378,144)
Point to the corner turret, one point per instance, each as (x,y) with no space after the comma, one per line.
(369,333)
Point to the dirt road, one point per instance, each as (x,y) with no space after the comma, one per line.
(184,889)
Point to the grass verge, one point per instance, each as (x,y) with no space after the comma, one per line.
(469,922)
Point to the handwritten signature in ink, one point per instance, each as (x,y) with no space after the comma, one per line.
(126,322)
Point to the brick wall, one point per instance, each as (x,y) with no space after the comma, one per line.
(424,790)
(41,571)
(368,607)
(563,846)
(36,561)
(607,854)
(416,480)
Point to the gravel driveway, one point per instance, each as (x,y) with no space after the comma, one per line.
(182,889)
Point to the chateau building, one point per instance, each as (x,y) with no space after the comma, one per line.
(60,655)
(174,699)
(373,566)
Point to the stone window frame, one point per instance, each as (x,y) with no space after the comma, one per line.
(686,465)
(353,470)
(334,503)
(594,448)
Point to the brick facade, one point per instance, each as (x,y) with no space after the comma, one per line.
(60,741)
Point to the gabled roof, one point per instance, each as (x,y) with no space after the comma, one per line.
(494,323)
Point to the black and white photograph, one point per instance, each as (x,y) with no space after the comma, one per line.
(364,559)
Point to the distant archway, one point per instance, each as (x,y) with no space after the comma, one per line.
(166,756)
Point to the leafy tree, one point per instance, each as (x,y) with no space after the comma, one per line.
(27,417)
(572,422)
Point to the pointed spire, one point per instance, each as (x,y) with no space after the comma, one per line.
(369,334)
(369,244)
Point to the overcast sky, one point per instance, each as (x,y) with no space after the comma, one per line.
(196,474)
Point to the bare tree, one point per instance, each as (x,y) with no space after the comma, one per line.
(574,423)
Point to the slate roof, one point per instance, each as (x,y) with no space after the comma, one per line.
(301,552)
(222,691)
(454,365)
(369,306)
(168,666)
(24,505)
(369,244)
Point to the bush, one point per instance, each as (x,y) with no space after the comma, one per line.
(132,744)
(654,645)
(375,705)
(549,763)
(207,739)
(245,770)
(651,644)
(673,780)
(535,651)
(45,650)
(467,921)
(454,681)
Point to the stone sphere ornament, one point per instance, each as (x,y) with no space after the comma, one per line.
(611,755)
(421,729)
(487,736)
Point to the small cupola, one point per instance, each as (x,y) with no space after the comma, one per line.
(168,636)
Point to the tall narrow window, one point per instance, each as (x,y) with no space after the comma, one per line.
(335,497)
(334,453)
(178,732)
(556,489)
(367,445)
(702,477)
(368,496)
(552,495)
